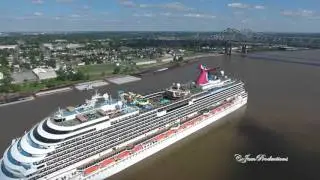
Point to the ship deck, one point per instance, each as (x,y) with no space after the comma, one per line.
(94,114)
(157,100)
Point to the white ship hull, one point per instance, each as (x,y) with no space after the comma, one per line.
(103,136)
(135,158)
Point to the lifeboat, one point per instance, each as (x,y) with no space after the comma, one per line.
(91,169)
(137,148)
(123,155)
(106,162)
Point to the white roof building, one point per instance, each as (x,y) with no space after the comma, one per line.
(44,73)
(8,46)
(48,45)
(1,75)
(74,46)
(145,62)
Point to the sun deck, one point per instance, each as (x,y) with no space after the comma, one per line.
(95,114)
(76,110)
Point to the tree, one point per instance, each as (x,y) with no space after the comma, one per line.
(5,83)
(51,63)
(116,70)
(62,75)
(126,69)
(34,62)
(4,62)
(77,76)
(25,65)
(50,83)
(180,59)
(86,60)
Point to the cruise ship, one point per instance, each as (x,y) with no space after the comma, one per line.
(106,135)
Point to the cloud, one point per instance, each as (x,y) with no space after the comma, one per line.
(75,15)
(23,18)
(299,13)
(86,7)
(288,13)
(127,3)
(144,15)
(146,6)
(238,5)
(205,16)
(166,14)
(37,13)
(176,6)
(245,6)
(238,13)
(37,1)
(259,7)
(64,1)
(245,21)
(104,13)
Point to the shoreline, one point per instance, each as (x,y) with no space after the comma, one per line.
(167,66)
(170,65)
(90,85)
(54,91)
(21,100)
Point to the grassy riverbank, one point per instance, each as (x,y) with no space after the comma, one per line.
(98,72)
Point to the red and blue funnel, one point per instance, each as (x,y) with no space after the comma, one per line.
(203,77)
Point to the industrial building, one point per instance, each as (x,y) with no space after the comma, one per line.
(45,73)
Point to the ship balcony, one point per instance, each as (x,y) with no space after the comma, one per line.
(5,174)
(12,164)
(20,155)
(27,145)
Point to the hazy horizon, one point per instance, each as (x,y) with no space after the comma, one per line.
(128,31)
(165,15)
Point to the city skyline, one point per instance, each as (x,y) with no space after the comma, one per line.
(155,15)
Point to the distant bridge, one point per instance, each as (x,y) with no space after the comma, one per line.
(234,37)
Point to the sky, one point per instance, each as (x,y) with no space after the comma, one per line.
(159,15)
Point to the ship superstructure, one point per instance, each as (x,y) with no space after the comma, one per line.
(76,141)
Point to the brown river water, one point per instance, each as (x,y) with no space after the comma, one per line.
(282,118)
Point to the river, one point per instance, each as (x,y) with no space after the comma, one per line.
(282,118)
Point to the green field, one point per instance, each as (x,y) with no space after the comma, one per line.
(94,72)
(30,87)
(97,70)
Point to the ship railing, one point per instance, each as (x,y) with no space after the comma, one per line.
(155,143)
(153,94)
(136,153)
(171,136)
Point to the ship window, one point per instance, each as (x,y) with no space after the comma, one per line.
(6,172)
(40,167)
(43,139)
(52,131)
(33,144)
(79,134)
(11,159)
(23,152)
(15,162)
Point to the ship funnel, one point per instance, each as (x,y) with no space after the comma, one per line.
(203,76)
